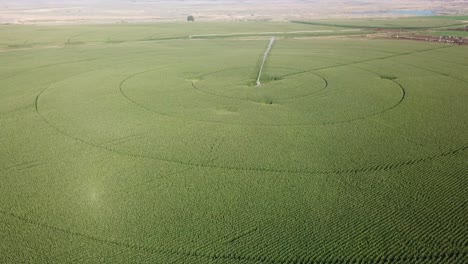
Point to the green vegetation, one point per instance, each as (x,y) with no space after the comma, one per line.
(140,144)
(400,23)
(449,17)
(387,77)
(450,33)
(95,34)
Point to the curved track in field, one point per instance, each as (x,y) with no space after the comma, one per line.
(371,168)
(399,101)
(194,86)
(390,258)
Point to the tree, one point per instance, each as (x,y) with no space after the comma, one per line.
(190,19)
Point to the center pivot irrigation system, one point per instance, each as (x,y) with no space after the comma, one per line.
(272,40)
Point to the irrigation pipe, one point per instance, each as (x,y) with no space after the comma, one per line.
(264,60)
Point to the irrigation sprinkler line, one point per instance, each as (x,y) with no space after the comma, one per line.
(264,60)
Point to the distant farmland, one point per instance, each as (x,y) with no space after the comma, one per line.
(153,143)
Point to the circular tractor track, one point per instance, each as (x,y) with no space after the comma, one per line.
(366,169)
(326,82)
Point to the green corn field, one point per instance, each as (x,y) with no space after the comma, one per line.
(151,143)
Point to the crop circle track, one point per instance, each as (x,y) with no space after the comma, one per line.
(326,82)
(365,169)
(204,76)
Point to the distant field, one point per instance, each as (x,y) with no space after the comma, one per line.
(137,143)
(450,33)
(391,23)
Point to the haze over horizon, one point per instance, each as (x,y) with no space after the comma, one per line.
(106,11)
